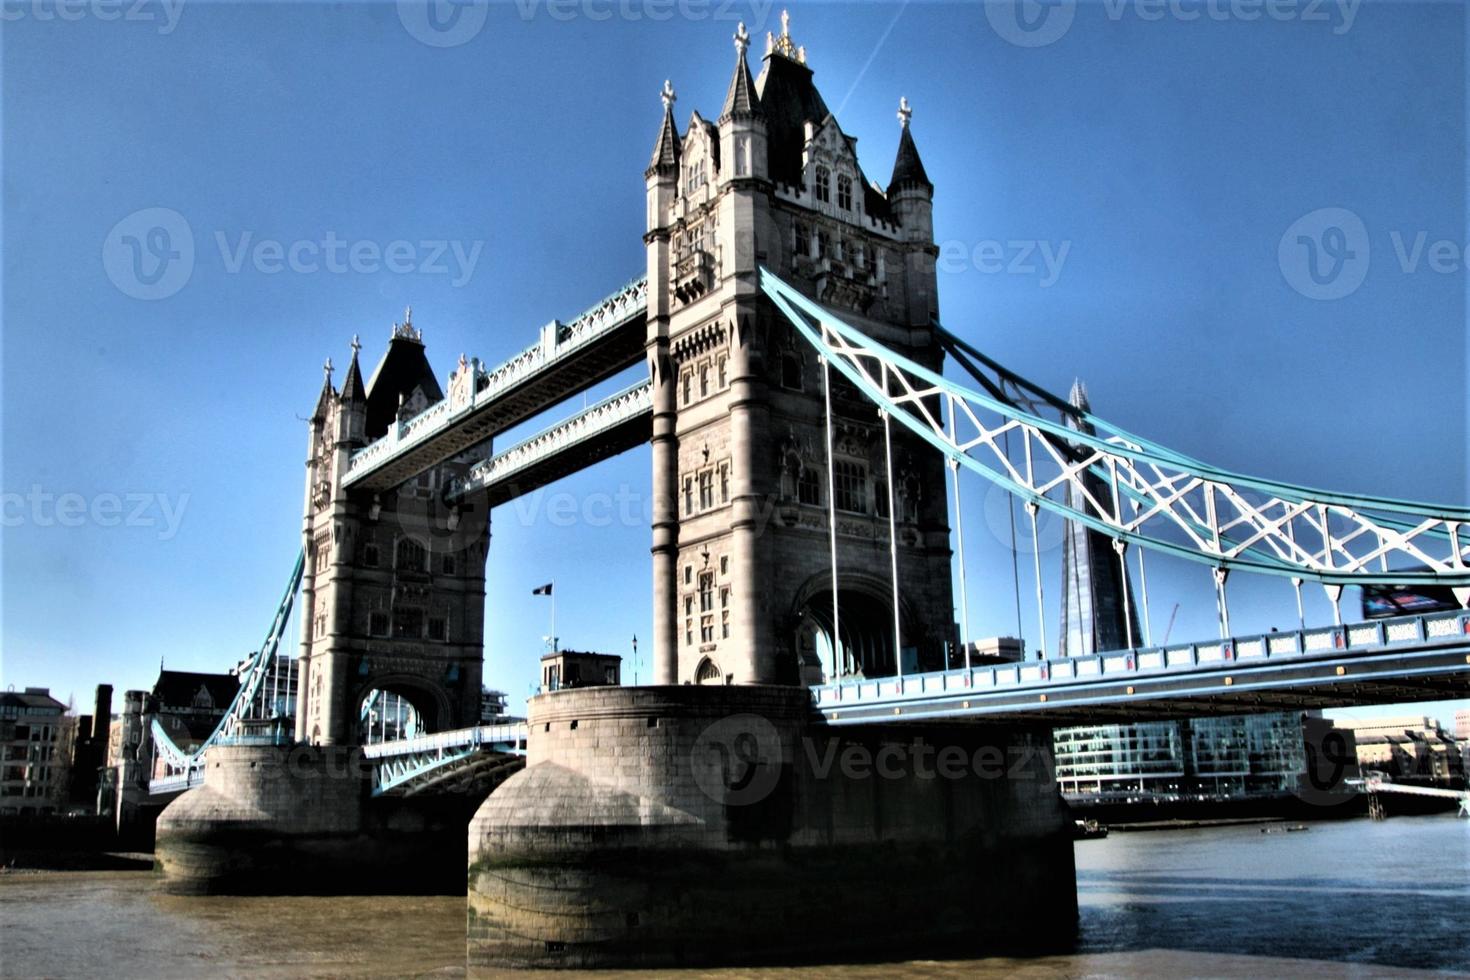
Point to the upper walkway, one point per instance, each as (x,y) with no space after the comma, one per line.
(1410,658)
(567,360)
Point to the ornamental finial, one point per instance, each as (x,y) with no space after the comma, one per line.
(356,345)
(668,96)
(406,329)
(742,39)
(327,368)
(408,316)
(905,112)
(783,45)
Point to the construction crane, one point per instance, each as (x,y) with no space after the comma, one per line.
(1170,628)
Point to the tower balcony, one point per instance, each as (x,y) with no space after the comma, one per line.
(694,275)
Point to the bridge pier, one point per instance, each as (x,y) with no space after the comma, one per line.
(688,825)
(299,819)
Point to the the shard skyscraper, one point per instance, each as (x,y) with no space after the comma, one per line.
(1094,616)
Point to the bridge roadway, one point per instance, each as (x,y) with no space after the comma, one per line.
(567,360)
(1410,658)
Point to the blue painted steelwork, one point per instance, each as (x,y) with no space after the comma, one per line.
(228,731)
(399,764)
(1435,645)
(1225,520)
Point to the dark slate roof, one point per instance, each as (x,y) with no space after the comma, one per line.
(403,368)
(789,99)
(907,167)
(29,699)
(177,688)
(353,390)
(665,160)
(741,99)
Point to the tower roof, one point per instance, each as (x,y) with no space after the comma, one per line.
(741,99)
(665,160)
(789,100)
(403,368)
(908,169)
(324,400)
(353,390)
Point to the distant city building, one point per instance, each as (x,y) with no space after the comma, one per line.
(574,668)
(1408,747)
(35,743)
(1098,612)
(1462,724)
(994,650)
(495,708)
(90,750)
(1216,758)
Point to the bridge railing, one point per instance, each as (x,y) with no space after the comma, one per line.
(514,735)
(1332,640)
(558,341)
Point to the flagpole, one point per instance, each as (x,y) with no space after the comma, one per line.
(553,616)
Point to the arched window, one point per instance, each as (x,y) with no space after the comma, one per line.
(791,370)
(824,185)
(844,192)
(409,556)
(707,672)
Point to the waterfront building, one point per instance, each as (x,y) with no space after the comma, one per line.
(574,668)
(1408,747)
(1216,758)
(90,750)
(35,745)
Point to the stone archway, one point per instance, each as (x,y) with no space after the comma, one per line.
(414,707)
(708,672)
(865,608)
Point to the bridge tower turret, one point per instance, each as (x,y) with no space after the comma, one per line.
(742,570)
(392,595)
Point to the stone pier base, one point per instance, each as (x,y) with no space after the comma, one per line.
(715,825)
(298,820)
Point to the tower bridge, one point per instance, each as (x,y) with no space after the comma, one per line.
(808,450)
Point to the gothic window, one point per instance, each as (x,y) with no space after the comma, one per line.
(323,548)
(824,244)
(410,556)
(724,483)
(706,490)
(706,592)
(437,628)
(824,184)
(446,565)
(706,629)
(688,387)
(704,381)
(689,632)
(844,192)
(689,605)
(408,622)
(370,554)
(806,487)
(688,495)
(850,481)
(880,497)
(791,370)
(720,365)
(707,672)
(378,624)
(688,574)
(803,239)
(724,564)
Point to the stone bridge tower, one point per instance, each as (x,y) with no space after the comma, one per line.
(742,570)
(393,593)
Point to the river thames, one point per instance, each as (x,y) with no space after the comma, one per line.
(1352,897)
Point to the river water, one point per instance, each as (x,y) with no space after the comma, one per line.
(1351,898)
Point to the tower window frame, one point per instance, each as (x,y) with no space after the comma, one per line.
(822,185)
(850,486)
(844,192)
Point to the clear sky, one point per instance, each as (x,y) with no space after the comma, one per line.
(1136,164)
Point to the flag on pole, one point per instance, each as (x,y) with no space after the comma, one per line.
(543,590)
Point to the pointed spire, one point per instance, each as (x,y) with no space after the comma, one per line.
(353,390)
(324,400)
(741,99)
(908,169)
(665,162)
(1077,397)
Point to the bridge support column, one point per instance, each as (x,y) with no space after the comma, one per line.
(720,824)
(285,820)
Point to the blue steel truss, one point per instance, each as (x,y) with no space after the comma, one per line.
(1158,499)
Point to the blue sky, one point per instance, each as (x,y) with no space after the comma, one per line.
(1157,159)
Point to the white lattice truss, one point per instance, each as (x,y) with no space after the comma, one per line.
(1145,494)
(559,341)
(585,425)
